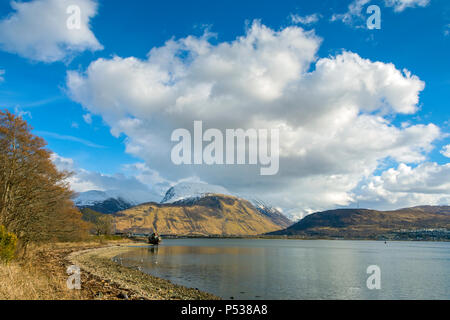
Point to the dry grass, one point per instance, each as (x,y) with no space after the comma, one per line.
(20,282)
(40,275)
(26,280)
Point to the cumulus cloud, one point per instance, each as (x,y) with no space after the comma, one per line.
(333,113)
(306,20)
(38,30)
(428,183)
(446,151)
(139,187)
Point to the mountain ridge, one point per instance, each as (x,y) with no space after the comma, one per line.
(367,223)
(102,201)
(185,190)
(215,214)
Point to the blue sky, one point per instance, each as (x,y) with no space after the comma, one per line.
(416,38)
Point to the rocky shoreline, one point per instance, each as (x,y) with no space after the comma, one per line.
(134,284)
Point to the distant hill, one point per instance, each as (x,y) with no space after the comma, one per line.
(100,223)
(103,201)
(212,214)
(90,215)
(363,223)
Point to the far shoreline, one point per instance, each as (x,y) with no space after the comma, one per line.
(264,237)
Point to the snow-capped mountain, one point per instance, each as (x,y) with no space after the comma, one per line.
(187,190)
(273,213)
(91,197)
(113,201)
(104,201)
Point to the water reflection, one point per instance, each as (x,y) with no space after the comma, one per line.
(287,269)
(201,250)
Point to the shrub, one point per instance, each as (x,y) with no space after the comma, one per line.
(8,244)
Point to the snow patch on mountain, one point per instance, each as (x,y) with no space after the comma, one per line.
(112,201)
(187,190)
(93,197)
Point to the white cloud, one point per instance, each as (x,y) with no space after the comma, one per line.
(355,10)
(400,5)
(38,30)
(70,138)
(446,151)
(21,113)
(306,20)
(334,125)
(356,13)
(428,183)
(87,118)
(63,164)
(2,73)
(140,189)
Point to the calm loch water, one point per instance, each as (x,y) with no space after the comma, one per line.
(299,269)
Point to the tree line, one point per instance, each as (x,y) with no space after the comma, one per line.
(35,198)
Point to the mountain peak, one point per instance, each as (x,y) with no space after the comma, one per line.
(103,201)
(208,215)
(186,190)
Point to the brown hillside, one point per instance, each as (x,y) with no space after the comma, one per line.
(363,223)
(217,215)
